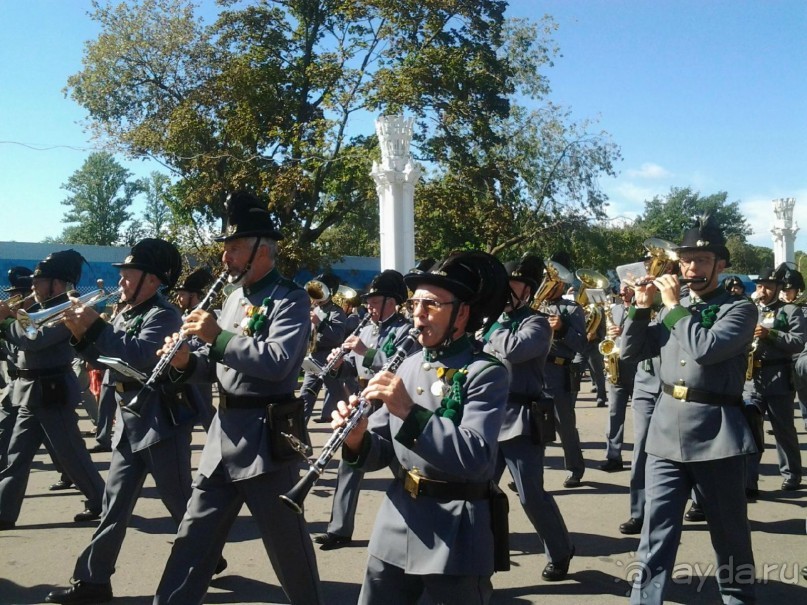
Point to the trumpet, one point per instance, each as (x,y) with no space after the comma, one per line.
(296,495)
(31,323)
(135,406)
(18,301)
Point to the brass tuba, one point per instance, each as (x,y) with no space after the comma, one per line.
(590,279)
(554,273)
(317,291)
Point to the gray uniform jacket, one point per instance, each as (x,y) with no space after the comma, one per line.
(696,355)
(775,351)
(261,363)
(571,338)
(423,535)
(381,341)
(135,336)
(521,341)
(49,350)
(330,332)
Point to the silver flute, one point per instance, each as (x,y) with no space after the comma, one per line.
(295,496)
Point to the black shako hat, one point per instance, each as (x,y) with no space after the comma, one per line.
(247,217)
(197,281)
(423,266)
(732,281)
(705,235)
(792,278)
(155,256)
(529,270)
(769,274)
(476,278)
(20,279)
(388,283)
(330,280)
(65,265)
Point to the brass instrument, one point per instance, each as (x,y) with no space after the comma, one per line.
(749,369)
(554,273)
(609,350)
(343,294)
(18,301)
(590,279)
(319,293)
(663,257)
(31,323)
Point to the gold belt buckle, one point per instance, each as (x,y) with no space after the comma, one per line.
(412,482)
(680,392)
(119,388)
(558,361)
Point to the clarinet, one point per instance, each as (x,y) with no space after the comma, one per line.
(295,496)
(328,368)
(136,404)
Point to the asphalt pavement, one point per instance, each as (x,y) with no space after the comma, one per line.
(39,553)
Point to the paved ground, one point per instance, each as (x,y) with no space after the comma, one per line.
(39,553)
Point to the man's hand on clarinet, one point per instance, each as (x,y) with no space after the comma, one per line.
(202,325)
(339,418)
(181,357)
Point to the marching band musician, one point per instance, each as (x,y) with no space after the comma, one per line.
(521,338)
(47,393)
(791,291)
(255,350)
(438,428)
(20,281)
(698,437)
(156,442)
(620,388)
(369,351)
(568,323)
(188,296)
(780,334)
(328,322)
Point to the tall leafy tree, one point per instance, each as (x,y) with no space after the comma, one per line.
(101,192)
(269,97)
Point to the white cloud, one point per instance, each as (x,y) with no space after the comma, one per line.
(649,171)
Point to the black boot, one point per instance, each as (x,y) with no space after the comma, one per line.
(81,593)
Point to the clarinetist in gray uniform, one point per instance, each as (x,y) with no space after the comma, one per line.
(158,441)
(520,339)
(698,436)
(369,351)
(438,429)
(255,351)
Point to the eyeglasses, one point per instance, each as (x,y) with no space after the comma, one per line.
(697,260)
(429,305)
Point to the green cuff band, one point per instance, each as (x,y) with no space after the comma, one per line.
(674,316)
(220,344)
(413,426)
(367,360)
(773,335)
(5,325)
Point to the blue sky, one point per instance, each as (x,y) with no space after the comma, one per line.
(710,94)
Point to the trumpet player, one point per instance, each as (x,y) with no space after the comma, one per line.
(328,322)
(780,334)
(620,386)
(46,391)
(255,349)
(698,438)
(438,430)
(156,442)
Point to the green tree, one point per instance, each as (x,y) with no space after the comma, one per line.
(269,97)
(157,214)
(747,258)
(669,216)
(100,194)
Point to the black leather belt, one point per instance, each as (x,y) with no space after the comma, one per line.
(766,363)
(34,374)
(558,361)
(417,486)
(247,402)
(124,386)
(683,393)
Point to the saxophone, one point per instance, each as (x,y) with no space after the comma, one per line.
(609,350)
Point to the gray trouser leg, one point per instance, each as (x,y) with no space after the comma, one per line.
(615,431)
(780,412)
(642,405)
(566,420)
(345,500)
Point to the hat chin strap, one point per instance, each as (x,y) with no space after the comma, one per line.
(448,338)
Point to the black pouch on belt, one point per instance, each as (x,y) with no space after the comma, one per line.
(499,509)
(542,419)
(286,417)
(54,389)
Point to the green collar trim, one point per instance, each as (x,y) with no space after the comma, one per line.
(264,282)
(463,343)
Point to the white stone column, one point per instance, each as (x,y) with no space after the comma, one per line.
(784,231)
(395,179)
